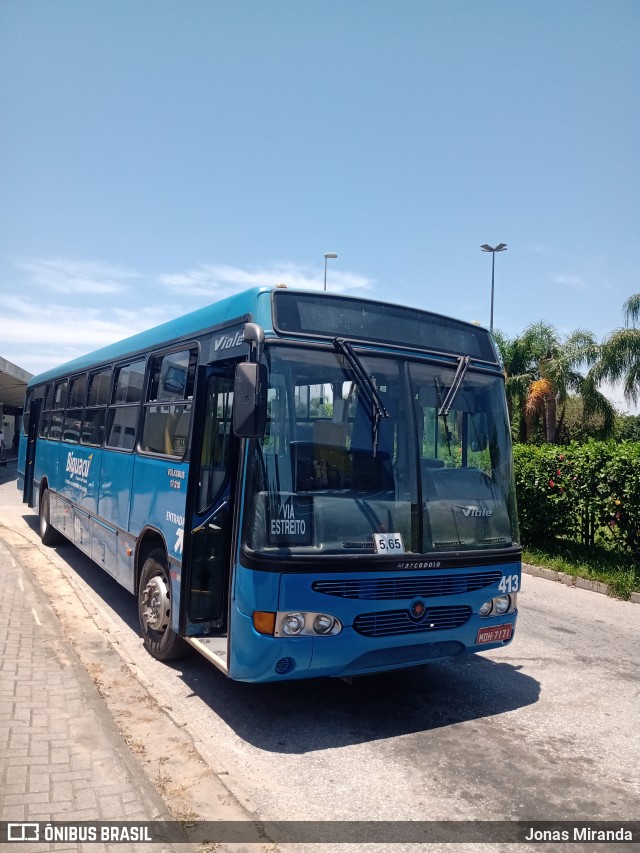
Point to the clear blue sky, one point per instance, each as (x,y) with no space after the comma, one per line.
(155,155)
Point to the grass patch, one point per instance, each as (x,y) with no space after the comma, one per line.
(596,563)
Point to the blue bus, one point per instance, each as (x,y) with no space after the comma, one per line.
(294,483)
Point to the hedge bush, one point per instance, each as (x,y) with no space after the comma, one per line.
(585,492)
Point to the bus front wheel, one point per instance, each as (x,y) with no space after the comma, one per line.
(48,534)
(154,609)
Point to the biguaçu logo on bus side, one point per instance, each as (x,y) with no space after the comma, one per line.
(78,466)
(474,511)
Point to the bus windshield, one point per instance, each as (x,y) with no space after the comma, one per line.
(425,470)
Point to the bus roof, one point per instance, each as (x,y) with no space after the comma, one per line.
(248,303)
(180,328)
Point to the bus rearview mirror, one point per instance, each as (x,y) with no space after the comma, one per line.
(250,400)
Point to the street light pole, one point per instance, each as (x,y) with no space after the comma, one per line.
(501,247)
(327,255)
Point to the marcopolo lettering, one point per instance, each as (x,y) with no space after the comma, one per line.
(77,466)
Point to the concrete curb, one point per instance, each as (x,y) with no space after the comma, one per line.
(572,580)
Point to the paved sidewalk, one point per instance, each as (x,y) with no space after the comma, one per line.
(8,467)
(61,757)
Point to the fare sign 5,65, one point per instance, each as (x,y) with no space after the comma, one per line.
(388,543)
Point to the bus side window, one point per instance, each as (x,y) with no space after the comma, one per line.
(167,412)
(46,412)
(122,418)
(57,409)
(95,414)
(75,406)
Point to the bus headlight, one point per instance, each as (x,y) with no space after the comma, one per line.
(499,606)
(502,604)
(323,623)
(298,624)
(292,624)
(486,608)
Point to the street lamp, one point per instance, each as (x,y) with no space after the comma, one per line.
(327,255)
(501,247)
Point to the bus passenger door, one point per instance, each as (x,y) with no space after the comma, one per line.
(30,458)
(206,564)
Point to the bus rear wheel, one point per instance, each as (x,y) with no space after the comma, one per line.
(154,610)
(48,534)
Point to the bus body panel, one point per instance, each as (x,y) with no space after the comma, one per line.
(104,550)
(79,479)
(158,500)
(46,465)
(82,530)
(61,514)
(257,658)
(116,478)
(255,590)
(369,590)
(21,463)
(349,652)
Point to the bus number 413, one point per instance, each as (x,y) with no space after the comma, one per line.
(508,583)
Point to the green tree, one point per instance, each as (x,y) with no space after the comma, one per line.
(574,425)
(627,428)
(619,360)
(542,370)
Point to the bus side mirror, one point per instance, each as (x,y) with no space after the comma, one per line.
(250,400)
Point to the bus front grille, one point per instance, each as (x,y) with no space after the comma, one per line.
(393,622)
(390,589)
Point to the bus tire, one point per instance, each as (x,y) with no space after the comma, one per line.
(154,609)
(48,534)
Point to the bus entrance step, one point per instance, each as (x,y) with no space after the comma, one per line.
(213,648)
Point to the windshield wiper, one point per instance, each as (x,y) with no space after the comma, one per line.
(367,385)
(463,366)
(445,406)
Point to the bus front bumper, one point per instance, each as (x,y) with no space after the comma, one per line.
(259,658)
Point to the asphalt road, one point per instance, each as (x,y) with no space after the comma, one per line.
(544,729)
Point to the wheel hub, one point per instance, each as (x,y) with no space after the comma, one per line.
(156,608)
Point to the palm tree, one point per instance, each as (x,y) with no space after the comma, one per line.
(515,362)
(542,370)
(620,353)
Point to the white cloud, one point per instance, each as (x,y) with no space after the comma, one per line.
(62,275)
(39,336)
(570,280)
(218,280)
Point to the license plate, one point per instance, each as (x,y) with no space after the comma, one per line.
(496,634)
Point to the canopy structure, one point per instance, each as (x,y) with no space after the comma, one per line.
(13,384)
